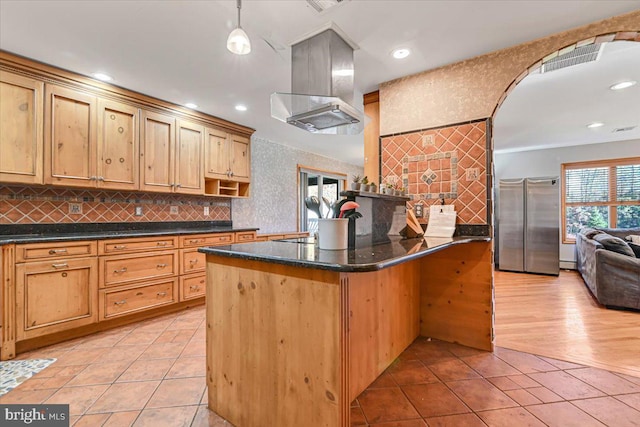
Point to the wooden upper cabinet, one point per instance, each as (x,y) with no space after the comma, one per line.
(21,139)
(189,159)
(227,156)
(70,137)
(118,144)
(217,154)
(157,151)
(241,158)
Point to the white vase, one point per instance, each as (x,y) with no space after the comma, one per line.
(333,233)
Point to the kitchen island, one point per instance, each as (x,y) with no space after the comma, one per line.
(295,333)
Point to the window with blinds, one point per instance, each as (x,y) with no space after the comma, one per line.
(600,194)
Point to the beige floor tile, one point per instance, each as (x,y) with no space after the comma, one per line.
(27,396)
(480,395)
(99,373)
(78,398)
(610,411)
(92,420)
(522,397)
(124,397)
(178,392)
(180,416)
(488,365)
(122,419)
(188,367)
(510,417)
(605,381)
(145,370)
(207,418)
(563,414)
(565,385)
(632,400)
(524,362)
(163,351)
(461,420)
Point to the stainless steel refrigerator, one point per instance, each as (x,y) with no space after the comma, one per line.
(529,225)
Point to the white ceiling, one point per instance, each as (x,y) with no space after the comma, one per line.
(176,50)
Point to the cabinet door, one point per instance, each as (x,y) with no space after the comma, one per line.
(21,141)
(241,159)
(52,296)
(117,146)
(216,154)
(70,137)
(188,164)
(157,152)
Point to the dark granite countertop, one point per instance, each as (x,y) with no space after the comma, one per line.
(39,233)
(303,252)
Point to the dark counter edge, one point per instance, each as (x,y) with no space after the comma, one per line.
(39,233)
(234,251)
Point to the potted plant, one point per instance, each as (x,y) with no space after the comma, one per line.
(373,187)
(365,184)
(388,189)
(355,182)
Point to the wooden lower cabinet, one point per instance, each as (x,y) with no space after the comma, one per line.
(52,296)
(121,269)
(50,289)
(137,298)
(193,286)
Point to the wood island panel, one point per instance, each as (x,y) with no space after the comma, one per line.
(456,295)
(277,335)
(384,318)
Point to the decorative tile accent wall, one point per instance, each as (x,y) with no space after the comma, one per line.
(449,163)
(42,205)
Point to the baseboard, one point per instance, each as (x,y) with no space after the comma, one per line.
(568,265)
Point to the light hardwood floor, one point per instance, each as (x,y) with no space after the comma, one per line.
(557,317)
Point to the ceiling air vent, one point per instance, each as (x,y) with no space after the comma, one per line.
(627,129)
(322,5)
(577,56)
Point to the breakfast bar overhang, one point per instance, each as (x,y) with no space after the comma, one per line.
(295,333)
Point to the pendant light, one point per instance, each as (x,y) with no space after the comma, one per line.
(238,41)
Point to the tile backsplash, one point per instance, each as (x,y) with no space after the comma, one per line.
(449,163)
(47,205)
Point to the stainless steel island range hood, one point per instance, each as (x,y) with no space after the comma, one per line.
(322,85)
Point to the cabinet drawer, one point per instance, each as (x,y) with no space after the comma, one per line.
(198,240)
(246,236)
(117,303)
(52,296)
(118,270)
(121,246)
(192,261)
(40,251)
(192,287)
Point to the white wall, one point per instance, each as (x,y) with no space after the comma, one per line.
(273,205)
(535,163)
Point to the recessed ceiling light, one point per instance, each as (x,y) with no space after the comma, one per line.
(623,85)
(240,107)
(401,53)
(102,76)
(191,105)
(595,125)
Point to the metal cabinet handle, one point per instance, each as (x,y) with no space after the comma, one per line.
(161,244)
(63,265)
(57,251)
(101,178)
(193,261)
(194,287)
(122,270)
(161,265)
(93,178)
(196,241)
(178,185)
(124,301)
(202,281)
(162,294)
(120,247)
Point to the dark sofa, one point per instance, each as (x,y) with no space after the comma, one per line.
(611,273)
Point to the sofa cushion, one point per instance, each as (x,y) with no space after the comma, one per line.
(635,248)
(614,244)
(633,238)
(590,232)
